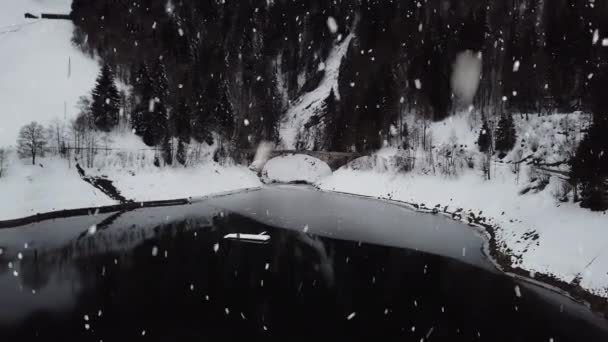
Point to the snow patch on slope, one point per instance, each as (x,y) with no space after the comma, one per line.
(34,81)
(311,103)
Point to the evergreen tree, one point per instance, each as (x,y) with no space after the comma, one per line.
(405,134)
(182,130)
(106,101)
(330,104)
(167,150)
(159,82)
(485,137)
(182,120)
(224,114)
(180,155)
(589,167)
(150,122)
(201,123)
(505,134)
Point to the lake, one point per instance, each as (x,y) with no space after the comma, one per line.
(279,263)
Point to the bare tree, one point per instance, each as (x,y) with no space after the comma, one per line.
(57,136)
(31,141)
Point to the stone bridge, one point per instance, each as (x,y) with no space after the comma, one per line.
(335,160)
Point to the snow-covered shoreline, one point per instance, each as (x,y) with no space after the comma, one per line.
(53,185)
(533,231)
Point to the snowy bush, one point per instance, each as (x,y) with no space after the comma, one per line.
(385,160)
(295,168)
(561,190)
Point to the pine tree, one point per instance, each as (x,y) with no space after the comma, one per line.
(405,134)
(180,155)
(150,122)
(589,167)
(485,137)
(330,104)
(159,81)
(202,123)
(182,120)
(224,114)
(167,150)
(505,134)
(106,101)
(182,130)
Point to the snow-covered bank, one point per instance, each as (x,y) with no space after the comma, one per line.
(540,234)
(53,185)
(169,183)
(50,185)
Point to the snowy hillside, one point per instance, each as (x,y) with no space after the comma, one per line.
(41,73)
(292,130)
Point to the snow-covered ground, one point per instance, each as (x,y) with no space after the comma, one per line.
(292,128)
(295,168)
(56,185)
(42,74)
(151,184)
(28,189)
(542,234)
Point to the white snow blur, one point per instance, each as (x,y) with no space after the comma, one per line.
(466,75)
(332,25)
(261,156)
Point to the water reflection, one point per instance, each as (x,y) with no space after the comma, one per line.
(170,275)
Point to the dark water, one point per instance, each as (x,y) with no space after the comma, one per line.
(168,274)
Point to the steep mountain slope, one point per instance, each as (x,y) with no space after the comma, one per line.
(41,73)
(292,130)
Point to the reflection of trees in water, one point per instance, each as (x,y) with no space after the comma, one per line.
(310,286)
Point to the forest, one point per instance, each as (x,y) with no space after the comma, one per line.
(228,71)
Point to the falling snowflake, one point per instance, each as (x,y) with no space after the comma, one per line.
(517,291)
(92,229)
(516,66)
(596,36)
(246,122)
(332,25)
(154,251)
(418,84)
(351,316)
(216,247)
